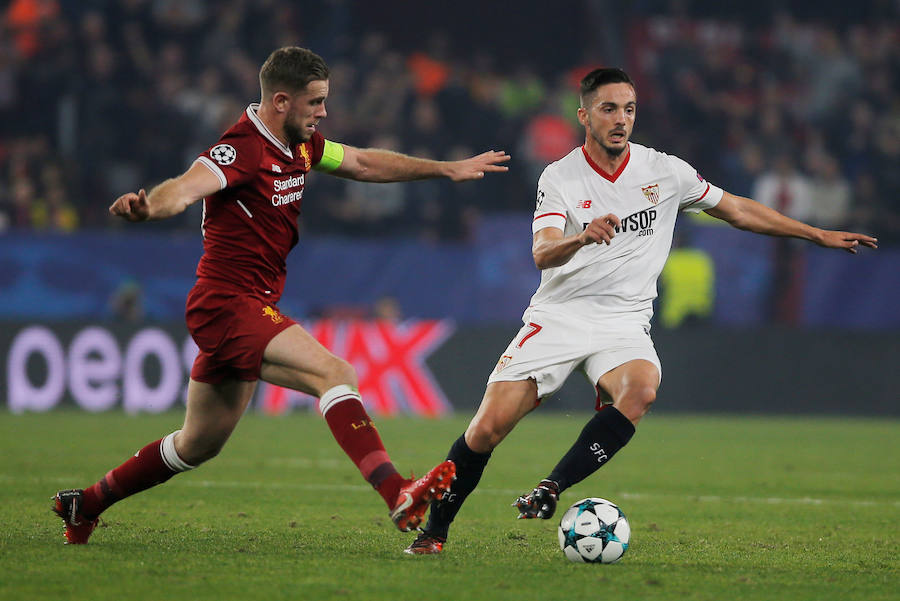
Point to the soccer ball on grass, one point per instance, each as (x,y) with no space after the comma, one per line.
(594,530)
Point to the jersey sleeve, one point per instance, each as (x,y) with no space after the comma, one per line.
(696,193)
(234,159)
(550,210)
(316,147)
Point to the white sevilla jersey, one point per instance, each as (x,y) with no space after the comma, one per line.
(615,283)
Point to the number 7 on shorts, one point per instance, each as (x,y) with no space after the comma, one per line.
(535,328)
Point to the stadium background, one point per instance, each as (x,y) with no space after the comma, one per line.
(421,285)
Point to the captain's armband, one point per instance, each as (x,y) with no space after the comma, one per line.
(332,157)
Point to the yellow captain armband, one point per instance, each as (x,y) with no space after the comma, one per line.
(332,157)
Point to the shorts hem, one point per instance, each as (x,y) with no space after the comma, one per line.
(539,380)
(594,379)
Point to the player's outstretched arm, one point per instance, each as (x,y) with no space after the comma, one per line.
(747,214)
(168,198)
(377,165)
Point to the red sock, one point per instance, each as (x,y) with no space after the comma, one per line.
(146,469)
(354,431)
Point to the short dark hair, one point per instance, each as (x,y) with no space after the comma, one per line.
(601,77)
(290,69)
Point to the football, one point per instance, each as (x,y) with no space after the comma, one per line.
(594,530)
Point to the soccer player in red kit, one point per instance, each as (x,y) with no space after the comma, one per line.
(251,183)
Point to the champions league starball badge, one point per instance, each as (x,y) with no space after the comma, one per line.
(223,154)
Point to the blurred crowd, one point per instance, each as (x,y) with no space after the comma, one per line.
(102,97)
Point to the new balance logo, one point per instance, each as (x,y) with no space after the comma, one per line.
(276,168)
(583,204)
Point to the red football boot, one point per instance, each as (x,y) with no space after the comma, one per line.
(415,496)
(67,505)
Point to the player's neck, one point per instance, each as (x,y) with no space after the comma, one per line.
(606,161)
(272,122)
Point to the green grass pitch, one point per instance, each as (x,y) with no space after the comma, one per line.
(720,508)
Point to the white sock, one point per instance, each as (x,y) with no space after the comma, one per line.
(170,457)
(337,394)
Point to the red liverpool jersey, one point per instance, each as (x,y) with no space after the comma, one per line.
(250,224)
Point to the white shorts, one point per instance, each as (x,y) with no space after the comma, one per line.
(550,346)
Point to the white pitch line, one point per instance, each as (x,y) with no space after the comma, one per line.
(515,492)
(506,492)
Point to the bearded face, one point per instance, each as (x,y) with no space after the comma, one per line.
(608,117)
(306,110)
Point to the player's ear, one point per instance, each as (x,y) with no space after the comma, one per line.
(281,101)
(583,116)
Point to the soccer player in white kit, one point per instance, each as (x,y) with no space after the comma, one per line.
(602,232)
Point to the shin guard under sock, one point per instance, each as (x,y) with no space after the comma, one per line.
(469,467)
(354,431)
(152,465)
(605,433)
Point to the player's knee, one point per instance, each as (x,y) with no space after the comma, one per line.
(636,402)
(482,440)
(483,435)
(340,372)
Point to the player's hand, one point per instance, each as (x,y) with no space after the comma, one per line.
(600,230)
(476,166)
(131,206)
(846,240)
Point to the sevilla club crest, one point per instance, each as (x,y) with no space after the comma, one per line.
(651,193)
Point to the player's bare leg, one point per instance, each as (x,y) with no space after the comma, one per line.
(503,405)
(213,411)
(632,389)
(294,359)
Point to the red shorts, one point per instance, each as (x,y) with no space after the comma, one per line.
(232,331)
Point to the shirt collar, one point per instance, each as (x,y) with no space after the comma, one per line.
(261,127)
